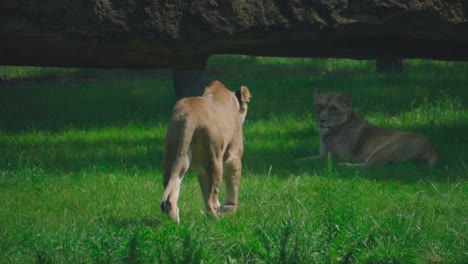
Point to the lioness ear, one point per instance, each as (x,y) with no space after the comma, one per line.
(245,94)
(345,99)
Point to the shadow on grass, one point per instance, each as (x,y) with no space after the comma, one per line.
(405,173)
(86,102)
(279,158)
(121,156)
(87,99)
(10,75)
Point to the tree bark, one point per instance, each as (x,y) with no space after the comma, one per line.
(189,82)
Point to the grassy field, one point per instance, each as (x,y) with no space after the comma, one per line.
(81,154)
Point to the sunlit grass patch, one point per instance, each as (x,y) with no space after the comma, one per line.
(19,72)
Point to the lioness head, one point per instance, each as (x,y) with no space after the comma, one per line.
(332,109)
(243,97)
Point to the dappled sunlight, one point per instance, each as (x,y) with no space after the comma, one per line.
(131,148)
(446,110)
(15,73)
(128,133)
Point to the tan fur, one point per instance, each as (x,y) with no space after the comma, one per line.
(347,136)
(205,134)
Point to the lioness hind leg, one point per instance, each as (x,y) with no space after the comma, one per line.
(206,184)
(384,154)
(172,180)
(411,148)
(210,184)
(232,175)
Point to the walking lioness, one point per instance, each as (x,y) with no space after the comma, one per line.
(205,133)
(347,136)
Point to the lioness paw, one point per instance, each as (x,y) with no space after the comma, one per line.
(166,206)
(226,209)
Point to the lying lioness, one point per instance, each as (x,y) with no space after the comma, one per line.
(347,136)
(205,133)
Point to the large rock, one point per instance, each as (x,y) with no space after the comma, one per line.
(183,33)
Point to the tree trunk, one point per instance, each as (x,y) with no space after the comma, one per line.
(390,65)
(189,82)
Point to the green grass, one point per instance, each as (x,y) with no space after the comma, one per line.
(81,153)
